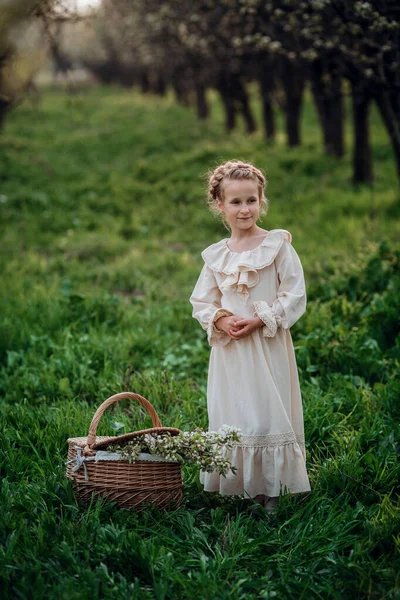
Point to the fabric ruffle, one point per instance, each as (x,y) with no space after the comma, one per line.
(268,315)
(215,336)
(241,281)
(241,268)
(268,469)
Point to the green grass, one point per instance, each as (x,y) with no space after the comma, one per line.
(102,219)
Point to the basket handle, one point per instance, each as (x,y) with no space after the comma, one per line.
(91,438)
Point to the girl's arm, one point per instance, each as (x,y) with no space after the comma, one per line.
(206,302)
(291,299)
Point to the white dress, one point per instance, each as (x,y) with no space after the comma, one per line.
(253,382)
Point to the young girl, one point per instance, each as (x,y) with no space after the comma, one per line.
(250,291)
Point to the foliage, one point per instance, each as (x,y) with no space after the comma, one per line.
(360,37)
(206,449)
(21,47)
(102,223)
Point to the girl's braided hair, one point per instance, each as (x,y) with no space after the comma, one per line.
(233,169)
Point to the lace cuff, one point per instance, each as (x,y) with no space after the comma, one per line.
(217,337)
(269,317)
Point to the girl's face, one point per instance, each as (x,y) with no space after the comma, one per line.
(241,204)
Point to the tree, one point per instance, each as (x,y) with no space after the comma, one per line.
(357,40)
(19,59)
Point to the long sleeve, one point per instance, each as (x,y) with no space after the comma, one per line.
(290,303)
(206,302)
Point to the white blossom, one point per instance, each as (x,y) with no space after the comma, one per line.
(204,448)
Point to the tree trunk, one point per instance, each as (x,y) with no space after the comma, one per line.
(242,98)
(203,110)
(329,104)
(180,89)
(266,89)
(127,76)
(337,120)
(395,102)
(230,112)
(144,82)
(4,107)
(362,154)
(293,84)
(177,87)
(160,87)
(388,104)
(293,113)
(226,94)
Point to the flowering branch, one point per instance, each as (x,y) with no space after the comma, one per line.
(203,448)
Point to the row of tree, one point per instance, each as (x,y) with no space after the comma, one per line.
(333,46)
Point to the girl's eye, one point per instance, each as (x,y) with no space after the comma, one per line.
(237,201)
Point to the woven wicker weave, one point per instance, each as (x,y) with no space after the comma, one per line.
(129,485)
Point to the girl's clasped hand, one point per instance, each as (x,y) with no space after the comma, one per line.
(238,328)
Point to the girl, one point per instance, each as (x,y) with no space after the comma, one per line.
(250,291)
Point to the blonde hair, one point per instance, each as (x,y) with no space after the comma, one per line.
(233,169)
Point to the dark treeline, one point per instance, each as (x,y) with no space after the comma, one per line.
(333,47)
(282,45)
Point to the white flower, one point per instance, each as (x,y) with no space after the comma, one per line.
(204,448)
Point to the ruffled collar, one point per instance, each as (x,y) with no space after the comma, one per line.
(223,260)
(241,268)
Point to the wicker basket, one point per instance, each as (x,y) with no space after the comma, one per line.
(129,485)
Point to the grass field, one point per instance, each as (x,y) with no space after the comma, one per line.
(102,221)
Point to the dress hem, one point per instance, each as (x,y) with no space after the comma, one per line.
(268,470)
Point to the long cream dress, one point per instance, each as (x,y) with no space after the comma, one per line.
(253,382)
